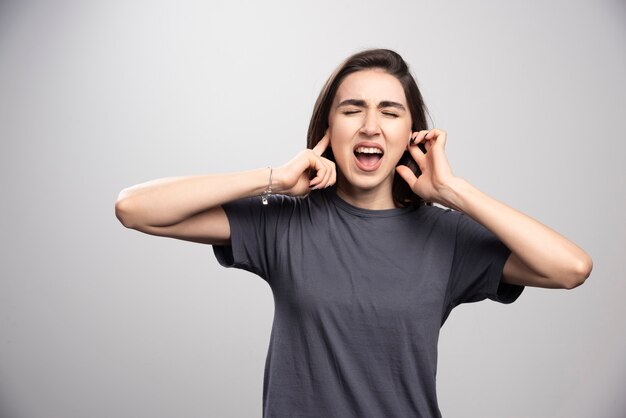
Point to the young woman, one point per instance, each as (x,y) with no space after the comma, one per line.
(364,270)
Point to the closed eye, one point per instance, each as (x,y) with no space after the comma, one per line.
(357,111)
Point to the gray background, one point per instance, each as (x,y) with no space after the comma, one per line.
(100,321)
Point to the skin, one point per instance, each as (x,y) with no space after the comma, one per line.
(189,208)
(388,126)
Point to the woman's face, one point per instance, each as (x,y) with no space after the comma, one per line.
(369,126)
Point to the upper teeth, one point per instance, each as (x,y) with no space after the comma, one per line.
(366,150)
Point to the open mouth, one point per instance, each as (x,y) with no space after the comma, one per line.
(368,158)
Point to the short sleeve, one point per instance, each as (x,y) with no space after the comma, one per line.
(478,261)
(254,230)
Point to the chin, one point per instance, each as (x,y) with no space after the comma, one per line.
(369,180)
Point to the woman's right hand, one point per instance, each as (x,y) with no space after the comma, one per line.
(293,178)
(190,207)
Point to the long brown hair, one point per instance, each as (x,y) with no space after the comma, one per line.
(392,63)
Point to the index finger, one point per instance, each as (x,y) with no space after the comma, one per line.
(321,146)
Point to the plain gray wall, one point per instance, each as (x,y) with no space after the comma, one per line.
(100,321)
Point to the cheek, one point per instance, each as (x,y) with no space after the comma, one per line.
(396,155)
(339,137)
(397,149)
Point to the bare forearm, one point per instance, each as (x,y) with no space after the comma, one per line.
(542,249)
(167,201)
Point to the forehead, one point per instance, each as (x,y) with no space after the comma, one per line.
(371,85)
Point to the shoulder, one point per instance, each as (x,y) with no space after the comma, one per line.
(433,223)
(256,203)
(280,209)
(438,214)
(451,219)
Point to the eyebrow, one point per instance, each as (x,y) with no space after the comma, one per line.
(361,103)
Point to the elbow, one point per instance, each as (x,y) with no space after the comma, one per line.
(123,210)
(581,270)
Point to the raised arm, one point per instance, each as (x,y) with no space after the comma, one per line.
(190,208)
(540,256)
(187,207)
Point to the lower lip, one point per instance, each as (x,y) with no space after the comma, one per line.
(368,168)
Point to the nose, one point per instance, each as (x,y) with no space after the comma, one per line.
(370,125)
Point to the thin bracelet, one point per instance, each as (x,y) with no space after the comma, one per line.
(267,191)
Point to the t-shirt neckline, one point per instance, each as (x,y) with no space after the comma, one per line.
(369,213)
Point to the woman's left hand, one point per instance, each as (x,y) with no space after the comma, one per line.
(540,256)
(436,178)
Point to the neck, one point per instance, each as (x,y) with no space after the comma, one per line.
(376,199)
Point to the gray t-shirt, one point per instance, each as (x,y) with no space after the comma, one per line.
(360,296)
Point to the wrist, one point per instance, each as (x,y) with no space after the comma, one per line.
(279,185)
(268,189)
(256,181)
(456,192)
